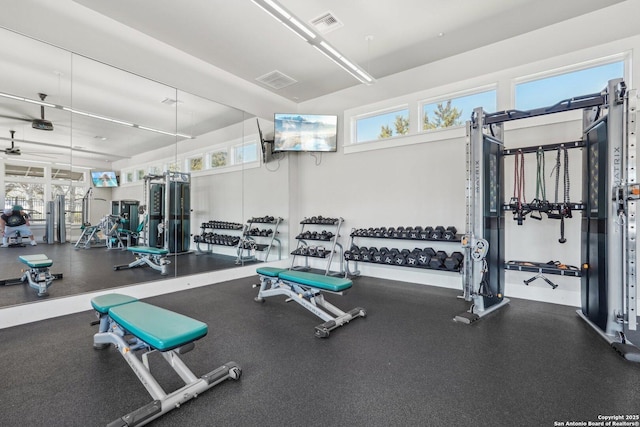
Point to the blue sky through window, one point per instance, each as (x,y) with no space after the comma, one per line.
(551,90)
(368,129)
(465,105)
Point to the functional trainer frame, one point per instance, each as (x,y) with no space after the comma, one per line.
(610,194)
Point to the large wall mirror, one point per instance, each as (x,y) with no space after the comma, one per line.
(202,159)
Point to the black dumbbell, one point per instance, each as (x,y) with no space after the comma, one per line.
(388,257)
(454,261)
(400,258)
(424,257)
(437,260)
(450,233)
(437,233)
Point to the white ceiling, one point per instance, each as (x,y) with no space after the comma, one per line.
(383,37)
(239,37)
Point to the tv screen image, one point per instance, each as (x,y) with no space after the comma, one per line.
(305,132)
(104,179)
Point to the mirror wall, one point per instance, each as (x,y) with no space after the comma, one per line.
(106,119)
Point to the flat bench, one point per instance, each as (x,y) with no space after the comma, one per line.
(154,329)
(306,289)
(155,258)
(36,261)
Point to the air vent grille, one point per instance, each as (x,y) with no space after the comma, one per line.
(326,23)
(276,80)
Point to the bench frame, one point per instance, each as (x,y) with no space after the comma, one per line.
(309,297)
(127,344)
(157,261)
(37,276)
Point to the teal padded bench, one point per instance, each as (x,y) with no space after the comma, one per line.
(155,258)
(38,275)
(306,289)
(154,329)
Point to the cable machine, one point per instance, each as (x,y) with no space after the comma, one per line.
(169,207)
(608,229)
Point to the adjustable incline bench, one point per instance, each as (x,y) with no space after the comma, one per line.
(155,258)
(38,275)
(150,328)
(306,289)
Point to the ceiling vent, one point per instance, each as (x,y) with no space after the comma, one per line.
(276,80)
(326,23)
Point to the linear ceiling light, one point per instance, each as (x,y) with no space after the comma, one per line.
(94,116)
(279,13)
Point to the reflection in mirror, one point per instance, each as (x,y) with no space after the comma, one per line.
(35,159)
(266,193)
(106,120)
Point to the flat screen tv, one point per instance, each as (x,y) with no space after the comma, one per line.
(104,179)
(305,132)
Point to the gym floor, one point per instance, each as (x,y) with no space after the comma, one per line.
(406,364)
(88,270)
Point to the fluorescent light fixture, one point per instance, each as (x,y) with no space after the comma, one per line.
(282,15)
(94,116)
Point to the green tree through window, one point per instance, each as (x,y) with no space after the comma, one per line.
(445,116)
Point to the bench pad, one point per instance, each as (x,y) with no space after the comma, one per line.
(147,250)
(160,328)
(103,303)
(334,284)
(270,271)
(36,261)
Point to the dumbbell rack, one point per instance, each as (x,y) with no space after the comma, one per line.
(248,245)
(214,225)
(303,247)
(436,234)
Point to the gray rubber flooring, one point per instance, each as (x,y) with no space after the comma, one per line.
(88,270)
(406,364)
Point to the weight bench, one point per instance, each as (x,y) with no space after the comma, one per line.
(155,258)
(131,325)
(38,275)
(306,289)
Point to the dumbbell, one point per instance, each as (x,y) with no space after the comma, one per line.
(365,254)
(401,257)
(412,258)
(450,233)
(377,232)
(425,234)
(454,261)
(437,233)
(415,232)
(321,251)
(388,257)
(437,260)
(424,257)
(404,234)
(377,254)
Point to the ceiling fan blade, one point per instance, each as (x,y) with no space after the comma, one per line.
(62,147)
(24,119)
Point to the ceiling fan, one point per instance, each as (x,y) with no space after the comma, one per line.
(36,123)
(13,150)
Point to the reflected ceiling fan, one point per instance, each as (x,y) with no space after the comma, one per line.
(36,123)
(16,151)
(13,150)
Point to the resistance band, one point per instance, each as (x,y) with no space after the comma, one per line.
(518,186)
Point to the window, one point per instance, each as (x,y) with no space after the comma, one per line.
(140,174)
(129,177)
(385,125)
(196,163)
(73,195)
(550,90)
(246,153)
(28,195)
(173,167)
(218,159)
(23,171)
(456,111)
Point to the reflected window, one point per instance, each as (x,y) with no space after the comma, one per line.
(140,174)
(173,167)
(218,159)
(196,164)
(29,195)
(73,195)
(129,177)
(245,153)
